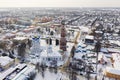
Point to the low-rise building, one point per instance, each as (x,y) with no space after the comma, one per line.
(6,62)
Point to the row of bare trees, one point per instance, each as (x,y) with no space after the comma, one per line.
(20,47)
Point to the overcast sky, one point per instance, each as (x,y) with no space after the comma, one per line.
(59,3)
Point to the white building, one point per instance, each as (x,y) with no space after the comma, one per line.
(6,62)
(50,57)
(114,72)
(36,48)
(89,39)
(44,54)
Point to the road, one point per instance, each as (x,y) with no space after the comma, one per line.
(69,57)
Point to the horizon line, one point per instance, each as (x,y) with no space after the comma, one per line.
(60,7)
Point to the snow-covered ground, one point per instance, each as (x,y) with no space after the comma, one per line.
(51,76)
(48,75)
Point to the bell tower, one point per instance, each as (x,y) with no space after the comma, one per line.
(63,40)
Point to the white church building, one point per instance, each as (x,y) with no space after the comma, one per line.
(44,54)
(51,58)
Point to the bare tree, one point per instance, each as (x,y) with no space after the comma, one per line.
(3,45)
(29,43)
(73,51)
(97,49)
(21,50)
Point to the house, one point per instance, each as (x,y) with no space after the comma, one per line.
(89,39)
(114,72)
(6,62)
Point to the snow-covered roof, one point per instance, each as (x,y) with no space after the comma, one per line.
(84,29)
(89,37)
(115,34)
(103,50)
(115,42)
(9,34)
(10,70)
(98,32)
(101,55)
(113,50)
(20,33)
(89,47)
(5,60)
(53,54)
(116,58)
(78,56)
(20,38)
(23,73)
(81,44)
(113,70)
(28,30)
(15,31)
